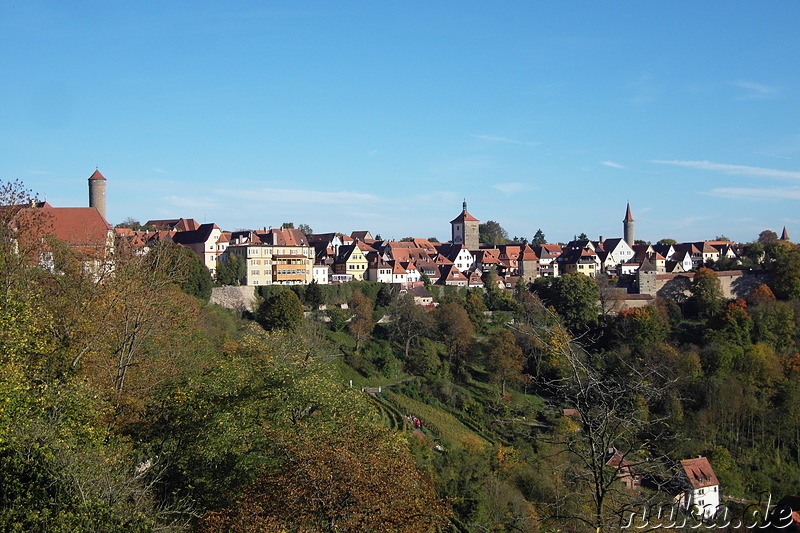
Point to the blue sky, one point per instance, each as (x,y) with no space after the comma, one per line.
(385,115)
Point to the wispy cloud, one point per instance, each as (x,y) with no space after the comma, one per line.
(691,221)
(513,188)
(160,171)
(505,140)
(754,193)
(741,170)
(755,91)
(438,198)
(772,155)
(613,165)
(301,196)
(644,90)
(190,203)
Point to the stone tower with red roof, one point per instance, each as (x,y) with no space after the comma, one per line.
(627,226)
(465,229)
(97,192)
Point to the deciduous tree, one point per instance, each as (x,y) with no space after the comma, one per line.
(574,297)
(362,480)
(492,233)
(505,360)
(707,293)
(767,237)
(785,270)
(456,329)
(197,281)
(611,398)
(640,328)
(761,295)
(282,311)
(410,322)
(362,324)
(232,271)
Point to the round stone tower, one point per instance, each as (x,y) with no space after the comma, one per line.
(97,192)
(627,227)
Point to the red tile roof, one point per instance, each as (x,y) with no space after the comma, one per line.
(77,225)
(699,472)
(464,216)
(97,176)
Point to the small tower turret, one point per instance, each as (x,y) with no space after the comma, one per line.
(97,192)
(785,235)
(627,226)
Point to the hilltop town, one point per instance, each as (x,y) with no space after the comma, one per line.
(532,383)
(288,256)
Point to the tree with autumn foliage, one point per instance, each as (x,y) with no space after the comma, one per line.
(760,295)
(362,480)
(785,270)
(734,324)
(707,295)
(361,324)
(640,328)
(410,323)
(456,330)
(505,360)
(612,399)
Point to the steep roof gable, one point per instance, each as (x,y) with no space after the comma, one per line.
(699,472)
(200,235)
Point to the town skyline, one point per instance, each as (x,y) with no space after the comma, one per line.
(384,118)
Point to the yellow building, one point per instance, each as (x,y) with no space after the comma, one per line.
(351,260)
(274,257)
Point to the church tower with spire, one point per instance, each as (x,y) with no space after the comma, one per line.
(465,229)
(627,227)
(785,235)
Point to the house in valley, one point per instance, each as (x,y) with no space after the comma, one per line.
(700,487)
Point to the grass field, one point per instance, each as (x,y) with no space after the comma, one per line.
(446,426)
(359,380)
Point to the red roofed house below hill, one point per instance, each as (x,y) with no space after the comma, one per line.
(700,486)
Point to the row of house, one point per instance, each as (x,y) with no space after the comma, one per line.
(286,256)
